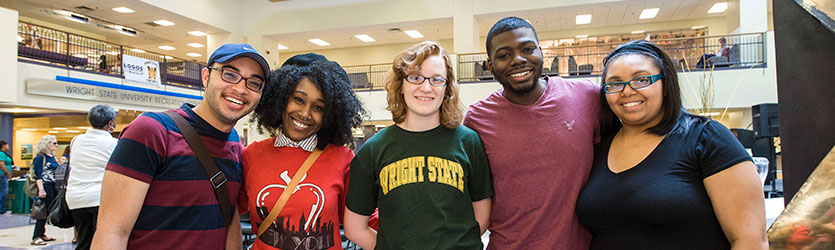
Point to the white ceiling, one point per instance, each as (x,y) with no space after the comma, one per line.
(608,14)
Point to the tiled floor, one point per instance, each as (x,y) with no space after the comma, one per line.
(16,233)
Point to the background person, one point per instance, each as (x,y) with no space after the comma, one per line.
(44,165)
(308,105)
(664,178)
(428,175)
(90,152)
(5,174)
(538,133)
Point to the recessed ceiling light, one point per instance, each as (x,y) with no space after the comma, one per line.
(53,132)
(365,38)
(137,50)
(698,27)
(84,127)
(649,13)
(73,131)
(17,110)
(194,54)
(718,8)
(282,47)
(168,57)
(583,19)
(413,33)
(164,22)
(638,32)
(166,47)
(59,128)
(581,36)
(195,45)
(196,33)
(319,42)
(123,10)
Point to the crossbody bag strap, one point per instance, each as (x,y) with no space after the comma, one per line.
(216,177)
(282,200)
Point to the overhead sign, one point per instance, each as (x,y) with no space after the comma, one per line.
(66,87)
(141,70)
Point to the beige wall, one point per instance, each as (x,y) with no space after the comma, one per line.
(25,137)
(8,54)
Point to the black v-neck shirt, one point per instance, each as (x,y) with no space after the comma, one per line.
(661,203)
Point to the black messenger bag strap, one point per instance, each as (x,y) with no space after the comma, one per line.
(216,177)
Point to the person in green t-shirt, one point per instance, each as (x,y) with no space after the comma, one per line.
(428,175)
(5,174)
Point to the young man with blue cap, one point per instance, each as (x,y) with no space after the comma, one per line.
(155,192)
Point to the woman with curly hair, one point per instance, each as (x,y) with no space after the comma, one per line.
(44,165)
(427,174)
(304,107)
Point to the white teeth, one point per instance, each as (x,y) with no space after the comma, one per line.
(520,74)
(424,98)
(300,125)
(630,104)
(235,101)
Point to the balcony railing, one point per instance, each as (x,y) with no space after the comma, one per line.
(50,46)
(741,50)
(368,76)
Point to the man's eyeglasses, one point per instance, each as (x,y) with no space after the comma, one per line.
(233,77)
(436,81)
(636,83)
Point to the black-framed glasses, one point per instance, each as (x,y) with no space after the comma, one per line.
(636,83)
(437,81)
(233,77)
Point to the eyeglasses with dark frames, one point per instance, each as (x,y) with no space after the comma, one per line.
(234,77)
(636,83)
(437,81)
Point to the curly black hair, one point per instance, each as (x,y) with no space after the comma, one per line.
(343,110)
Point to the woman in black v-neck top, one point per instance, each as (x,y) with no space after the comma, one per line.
(663,178)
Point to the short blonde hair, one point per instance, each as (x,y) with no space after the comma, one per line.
(43,144)
(452,111)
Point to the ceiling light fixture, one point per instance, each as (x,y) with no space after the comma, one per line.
(73,131)
(123,10)
(413,34)
(196,33)
(718,8)
(195,45)
(59,128)
(638,32)
(29,129)
(53,132)
(319,42)
(194,54)
(166,47)
(17,110)
(125,30)
(581,36)
(282,47)
(698,27)
(164,22)
(137,50)
(365,38)
(583,19)
(77,18)
(649,13)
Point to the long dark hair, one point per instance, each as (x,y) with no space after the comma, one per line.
(670,106)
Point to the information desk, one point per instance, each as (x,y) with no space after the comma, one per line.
(20,203)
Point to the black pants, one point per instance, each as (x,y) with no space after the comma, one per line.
(40,225)
(85,224)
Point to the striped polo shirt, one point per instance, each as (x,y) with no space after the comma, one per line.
(180,209)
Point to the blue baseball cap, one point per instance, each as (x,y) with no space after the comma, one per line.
(231,51)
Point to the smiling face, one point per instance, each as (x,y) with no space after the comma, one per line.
(641,108)
(305,111)
(423,101)
(516,60)
(223,102)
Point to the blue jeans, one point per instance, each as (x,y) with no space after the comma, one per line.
(4,190)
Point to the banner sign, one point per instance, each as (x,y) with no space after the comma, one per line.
(141,70)
(66,87)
